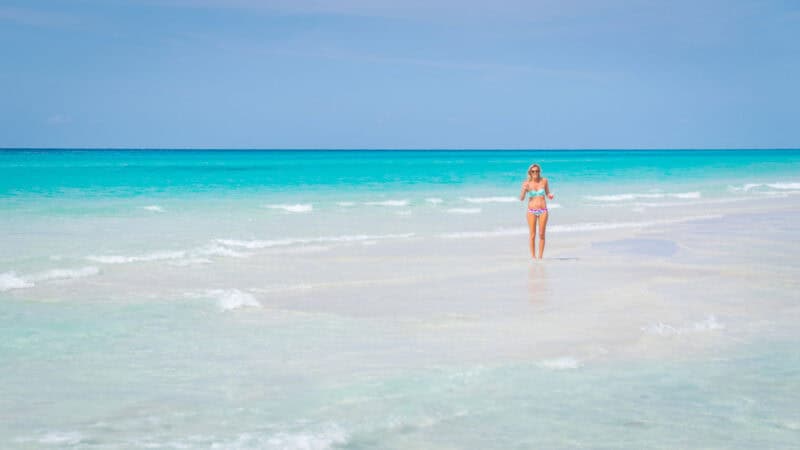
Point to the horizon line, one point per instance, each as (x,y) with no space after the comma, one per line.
(401,149)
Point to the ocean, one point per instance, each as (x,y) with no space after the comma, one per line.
(316,299)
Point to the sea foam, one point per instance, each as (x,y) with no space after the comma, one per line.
(214,249)
(153,208)
(122,259)
(490,199)
(297,208)
(230,299)
(662,329)
(464,210)
(179,257)
(575,227)
(320,440)
(485,234)
(10,280)
(634,196)
(750,186)
(256,244)
(65,274)
(790,186)
(323,439)
(388,203)
(563,363)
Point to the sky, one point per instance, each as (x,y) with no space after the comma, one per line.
(510,74)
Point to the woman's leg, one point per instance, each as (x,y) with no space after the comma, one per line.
(532,230)
(542,229)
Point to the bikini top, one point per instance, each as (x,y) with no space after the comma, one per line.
(538,193)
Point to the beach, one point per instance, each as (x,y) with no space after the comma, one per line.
(387,299)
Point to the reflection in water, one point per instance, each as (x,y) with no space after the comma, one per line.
(537,282)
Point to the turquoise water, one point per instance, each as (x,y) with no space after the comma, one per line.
(132,172)
(385,299)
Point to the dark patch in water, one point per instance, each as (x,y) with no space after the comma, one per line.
(649,247)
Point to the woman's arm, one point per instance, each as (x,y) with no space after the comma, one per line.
(547,189)
(524,190)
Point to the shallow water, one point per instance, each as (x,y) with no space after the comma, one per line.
(240,300)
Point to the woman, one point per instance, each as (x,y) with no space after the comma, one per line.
(536,187)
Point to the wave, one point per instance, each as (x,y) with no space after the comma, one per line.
(256,244)
(325,438)
(199,255)
(634,196)
(178,257)
(305,249)
(745,187)
(490,199)
(434,200)
(121,259)
(780,186)
(65,274)
(329,437)
(346,203)
(701,202)
(685,195)
(284,288)
(662,329)
(56,438)
(789,186)
(190,262)
(591,226)
(576,227)
(388,203)
(10,280)
(297,208)
(483,234)
(464,210)
(562,363)
(153,208)
(230,299)
(218,250)
(301,436)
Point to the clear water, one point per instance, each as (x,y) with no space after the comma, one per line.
(360,299)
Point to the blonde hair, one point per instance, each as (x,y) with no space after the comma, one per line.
(530,177)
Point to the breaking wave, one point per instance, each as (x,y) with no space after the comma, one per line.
(464,210)
(297,208)
(563,363)
(662,329)
(10,280)
(635,196)
(256,244)
(388,203)
(490,199)
(576,227)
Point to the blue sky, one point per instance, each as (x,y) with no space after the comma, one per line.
(400,74)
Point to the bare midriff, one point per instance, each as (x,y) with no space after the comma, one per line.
(538,201)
